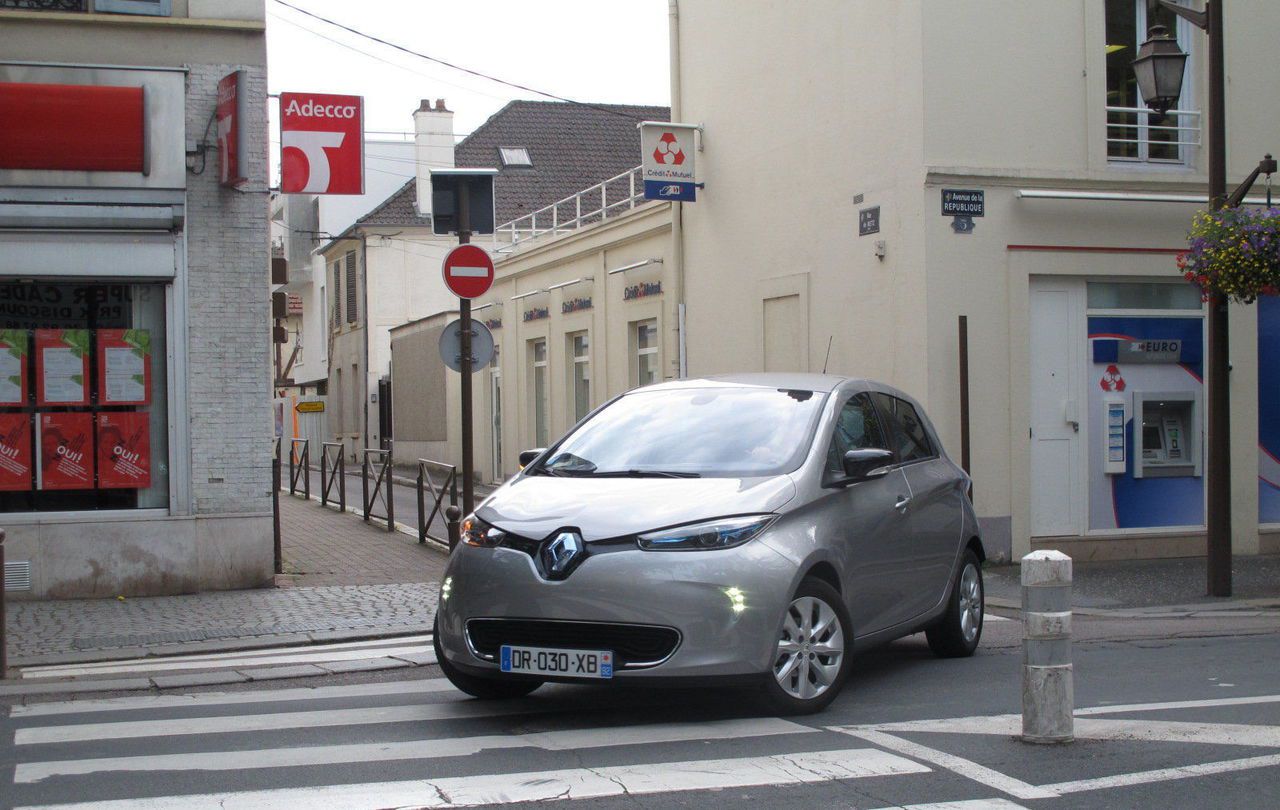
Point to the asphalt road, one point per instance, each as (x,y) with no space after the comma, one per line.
(1157,700)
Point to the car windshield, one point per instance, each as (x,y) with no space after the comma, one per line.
(712,432)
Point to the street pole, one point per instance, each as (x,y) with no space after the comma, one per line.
(464,317)
(1218,518)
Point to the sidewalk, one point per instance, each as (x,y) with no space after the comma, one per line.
(1151,588)
(344,580)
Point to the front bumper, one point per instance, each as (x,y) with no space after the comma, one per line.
(726,605)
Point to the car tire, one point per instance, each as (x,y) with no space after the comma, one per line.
(957,633)
(504,688)
(799,664)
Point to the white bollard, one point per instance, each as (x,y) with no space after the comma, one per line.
(1048,697)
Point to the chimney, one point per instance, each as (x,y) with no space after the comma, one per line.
(433,135)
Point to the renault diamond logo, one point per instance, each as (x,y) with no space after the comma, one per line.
(559,554)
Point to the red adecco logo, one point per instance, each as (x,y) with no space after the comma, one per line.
(321,144)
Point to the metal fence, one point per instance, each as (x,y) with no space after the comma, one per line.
(300,466)
(427,484)
(333,470)
(1142,135)
(379,461)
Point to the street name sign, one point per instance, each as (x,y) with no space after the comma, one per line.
(957,202)
(468,271)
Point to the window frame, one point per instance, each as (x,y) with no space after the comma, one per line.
(889,419)
(637,352)
(576,361)
(539,404)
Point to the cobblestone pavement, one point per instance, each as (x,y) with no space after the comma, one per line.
(350,579)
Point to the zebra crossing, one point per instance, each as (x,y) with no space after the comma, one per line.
(414,742)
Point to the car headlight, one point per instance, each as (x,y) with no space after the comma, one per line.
(475,532)
(706,535)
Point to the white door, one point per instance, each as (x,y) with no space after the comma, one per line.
(1057,407)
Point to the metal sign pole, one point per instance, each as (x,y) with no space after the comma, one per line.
(464,315)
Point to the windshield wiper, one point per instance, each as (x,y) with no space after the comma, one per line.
(644,474)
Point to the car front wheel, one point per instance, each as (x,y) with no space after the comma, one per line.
(956,634)
(812,650)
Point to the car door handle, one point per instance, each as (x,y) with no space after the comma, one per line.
(903,501)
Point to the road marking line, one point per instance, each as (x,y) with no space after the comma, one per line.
(203,699)
(396,641)
(1178,732)
(969,804)
(1165,774)
(30,772)
(230,662)
(964,767)
(1181,704)
(573,783)
(325,718)
(987,617)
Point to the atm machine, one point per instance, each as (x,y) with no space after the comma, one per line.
(1166,434)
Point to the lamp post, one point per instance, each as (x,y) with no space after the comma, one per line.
(1158,69)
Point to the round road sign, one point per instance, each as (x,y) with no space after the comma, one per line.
(451,345)
(468,271)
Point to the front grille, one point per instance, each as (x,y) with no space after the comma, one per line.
(634,646)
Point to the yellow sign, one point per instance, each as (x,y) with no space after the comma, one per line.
(309,407)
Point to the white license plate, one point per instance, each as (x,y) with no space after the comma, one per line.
(549,661)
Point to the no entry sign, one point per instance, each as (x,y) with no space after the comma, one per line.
(468,271)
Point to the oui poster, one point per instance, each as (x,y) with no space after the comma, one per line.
(124,451)
(66,450)
(15,452)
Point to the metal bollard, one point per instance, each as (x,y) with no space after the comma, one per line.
(1048,696)
(452,517)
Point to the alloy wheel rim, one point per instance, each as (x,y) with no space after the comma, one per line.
(810,649)
(970,603)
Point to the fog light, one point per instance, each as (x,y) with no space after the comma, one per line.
(737,599)
(445,588)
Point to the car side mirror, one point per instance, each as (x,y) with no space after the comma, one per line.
(527,456)
(870,462)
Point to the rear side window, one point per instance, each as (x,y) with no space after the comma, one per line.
(910,440)
(857,428)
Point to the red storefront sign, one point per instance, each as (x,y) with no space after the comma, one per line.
(124,367)
(15,452)
(321,144)
(62,366)
(66,450)
(124,450)
(232,151)
(72,127)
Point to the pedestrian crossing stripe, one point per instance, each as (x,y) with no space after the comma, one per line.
(569,783)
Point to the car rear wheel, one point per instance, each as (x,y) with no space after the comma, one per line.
(477,686)
(957,633)
(812,650)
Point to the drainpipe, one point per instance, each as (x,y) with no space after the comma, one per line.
(677,208)
(363,270)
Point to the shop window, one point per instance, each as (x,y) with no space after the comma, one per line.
(538,394)
(579,374)
(83,397)
(1142,295)
(644,352)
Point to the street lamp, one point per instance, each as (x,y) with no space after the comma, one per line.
(1158,69)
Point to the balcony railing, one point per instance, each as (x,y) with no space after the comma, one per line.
(1141,135)
(591,205)
(46,5)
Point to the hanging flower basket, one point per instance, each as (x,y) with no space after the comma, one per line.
(1234,253)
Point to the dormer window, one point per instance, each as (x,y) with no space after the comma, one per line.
(515,156)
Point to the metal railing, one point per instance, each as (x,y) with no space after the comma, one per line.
(380,462)
(449,486)
(277,547)
(593,204)
(47,5)
(300,466)
(1131,135)
(333,469)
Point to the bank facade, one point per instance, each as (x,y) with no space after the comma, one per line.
(134,414)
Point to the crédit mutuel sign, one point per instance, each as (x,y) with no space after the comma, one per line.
(321,144)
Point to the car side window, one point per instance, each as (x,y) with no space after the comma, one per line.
(910,437)
(857,428)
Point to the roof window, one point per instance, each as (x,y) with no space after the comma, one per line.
(514,156)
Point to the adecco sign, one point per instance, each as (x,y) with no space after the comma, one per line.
(321,144)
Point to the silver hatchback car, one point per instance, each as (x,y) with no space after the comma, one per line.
(757,528)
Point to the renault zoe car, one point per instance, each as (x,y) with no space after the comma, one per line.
(755,529)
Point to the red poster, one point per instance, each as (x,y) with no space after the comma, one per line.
(124,367)
(321,144)
(15,452)
(66,450)
(124,451)
(13,367)
(62,366)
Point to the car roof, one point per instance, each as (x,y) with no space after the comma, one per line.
(822,383)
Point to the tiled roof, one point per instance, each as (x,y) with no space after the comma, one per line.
(572,146)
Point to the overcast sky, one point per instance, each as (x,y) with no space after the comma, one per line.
(586,50)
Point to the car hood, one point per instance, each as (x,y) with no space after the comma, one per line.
(601,508)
